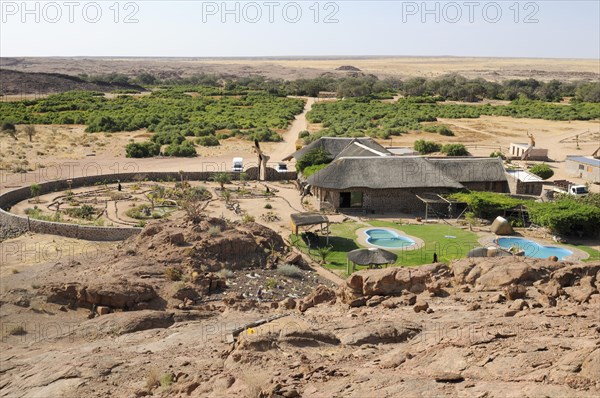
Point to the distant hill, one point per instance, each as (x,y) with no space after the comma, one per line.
(14,82)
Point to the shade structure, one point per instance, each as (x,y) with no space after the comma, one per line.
(371,256)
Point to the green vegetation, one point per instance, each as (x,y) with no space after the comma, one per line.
(185,149)
(35,190)
(455,150)
(142,150)
(9,128)
(85,212)
(173,274)
(566,215)
(498,154)
(358,117)
(343,239)
(222,179)
(209,140)
(289,270)
(439,129)
(310,170)
(542,170)
(317,156)
(425,147)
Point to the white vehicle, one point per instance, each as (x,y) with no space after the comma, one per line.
(238,165)
(282,168)
(569,188)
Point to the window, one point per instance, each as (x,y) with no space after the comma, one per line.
(356,199)
(581,167)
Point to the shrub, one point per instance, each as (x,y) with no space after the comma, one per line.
(185,149)
(268,206)
(142,149)
(313,157)
(173,274)
(226,273)
(567,216)
(222,179)
(542,170)
(248,218)
(215,230)
(498,154)
(303,134)
(455,150)
(85,212)
(424,147)
(289,270)
(209,140)
(310,170)
(35,190)
(441,130)
(271,284)
(166,380)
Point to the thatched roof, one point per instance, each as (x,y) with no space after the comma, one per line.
(335,145)
(389,172)
(471,169)
(381,173)
(371,256)
(300,219)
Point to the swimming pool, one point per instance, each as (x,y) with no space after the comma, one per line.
(533,249)
(387,239)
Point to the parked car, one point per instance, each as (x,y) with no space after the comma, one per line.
(282,168)
(238,165)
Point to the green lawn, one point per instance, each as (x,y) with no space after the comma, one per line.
(343,240)
(594,254)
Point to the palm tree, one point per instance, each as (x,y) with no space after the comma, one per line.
(35,191)
(222,179)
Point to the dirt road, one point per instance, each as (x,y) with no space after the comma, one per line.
(288,145)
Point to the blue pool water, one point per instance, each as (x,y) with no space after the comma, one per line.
(533,249)
(387,239)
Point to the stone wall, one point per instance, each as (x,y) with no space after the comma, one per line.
(11,224)
(524,188)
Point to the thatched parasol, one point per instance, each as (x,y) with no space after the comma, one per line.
(372,256)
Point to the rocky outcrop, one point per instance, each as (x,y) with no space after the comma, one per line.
(128,322)
(121,295)
(391,281)
(501,226)
(320,294)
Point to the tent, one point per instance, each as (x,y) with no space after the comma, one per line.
(372,256)
(308,220)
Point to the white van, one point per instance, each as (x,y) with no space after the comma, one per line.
(238,165)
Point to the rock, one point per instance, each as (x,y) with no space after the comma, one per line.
(514,292)
(510,313)
(150,230)
(394,358)
(375,300)
(546,301)
(177,239)
(567,276)
(185,293)
(473,307)
(128,322)
(293,258)
(501,226)
(384,333)
(506,274)
(497,298)
(22,301)
(121,294)
(274,305)
(581,294)
(421,306)
(448,377)
(287,303)
(519,304)
(553,258)
(308,338)
(590,368)
(320,294)
(102,310)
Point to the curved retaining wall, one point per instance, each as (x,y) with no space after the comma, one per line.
(16,223)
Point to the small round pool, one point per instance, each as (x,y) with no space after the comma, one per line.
(387,239)
(533,249)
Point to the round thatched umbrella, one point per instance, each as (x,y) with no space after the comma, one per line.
(372,256)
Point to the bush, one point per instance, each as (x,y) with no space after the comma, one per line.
(313,157)
(248,219)
(173,274)
(310,170)
(455,150)
(85,212)
(303,134)
(142,150)
(567,216)
(542,170)
(215,230)
(289,270)
(441,130)
(425,147)
(498,154)
(268,206)
(185,149)
(209,140)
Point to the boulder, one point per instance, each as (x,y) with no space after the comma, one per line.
(421,306)
(503,275)
(384,333)
(501,226)
(320,294)
(102,310)
(128,322)
(514,292)
(287,303)
(177,239)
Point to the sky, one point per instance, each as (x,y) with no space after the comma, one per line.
(544,29)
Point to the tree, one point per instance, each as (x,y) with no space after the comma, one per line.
(542,170)
(35,191)
(142,149)
(313,157)
(222,179)
(425,147)
(10,129)
(455,150)
(30,131)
